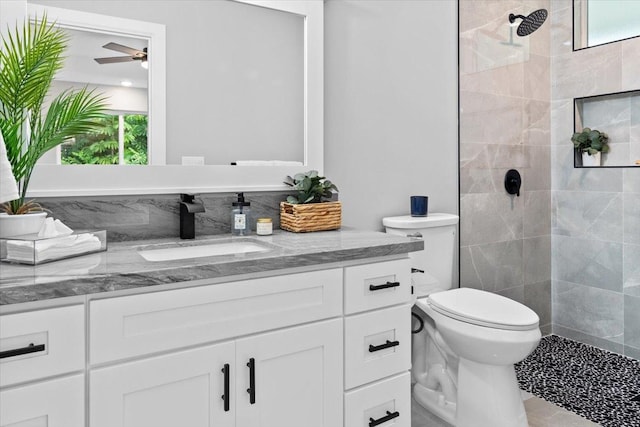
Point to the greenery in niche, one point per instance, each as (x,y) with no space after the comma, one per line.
(591,141)
(30,122)
(311,188)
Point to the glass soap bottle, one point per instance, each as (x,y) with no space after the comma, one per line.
(240,217)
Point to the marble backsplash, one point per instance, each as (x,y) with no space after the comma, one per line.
(157,215)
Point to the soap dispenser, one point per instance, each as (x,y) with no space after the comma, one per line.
(240,217)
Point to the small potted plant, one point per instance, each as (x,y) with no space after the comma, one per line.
(590,143)
(309,209)
(31,123)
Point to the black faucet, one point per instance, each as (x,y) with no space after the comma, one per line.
(189,207)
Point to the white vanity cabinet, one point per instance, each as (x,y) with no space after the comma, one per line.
(324,348)
(42,361)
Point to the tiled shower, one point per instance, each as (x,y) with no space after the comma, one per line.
(569,246)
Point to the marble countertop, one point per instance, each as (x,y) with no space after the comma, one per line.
(121,267)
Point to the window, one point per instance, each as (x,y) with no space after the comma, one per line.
(122,140)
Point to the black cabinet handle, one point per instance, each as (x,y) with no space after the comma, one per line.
(388,344)
(225,396)
(389,416)
(31,348)
(384,286)
(252,380)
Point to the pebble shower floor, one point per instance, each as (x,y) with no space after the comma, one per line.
(601,386)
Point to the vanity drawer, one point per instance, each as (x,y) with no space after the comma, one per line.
(371,286)
(377,344)
(41,343)
(142,324)
(389,399)
(54,403)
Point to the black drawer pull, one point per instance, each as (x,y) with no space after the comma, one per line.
(389,416)
(384,286)
(388,344)
(225,396)
(31,348)
(252,380)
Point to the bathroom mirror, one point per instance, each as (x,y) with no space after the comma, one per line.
(597,22)
(618,116)
(51,180)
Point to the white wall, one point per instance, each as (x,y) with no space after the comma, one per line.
(391,119)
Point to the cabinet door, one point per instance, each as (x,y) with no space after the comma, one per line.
(55,403)
(297,377)
(181,389)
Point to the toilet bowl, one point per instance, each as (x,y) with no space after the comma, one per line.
(466,341)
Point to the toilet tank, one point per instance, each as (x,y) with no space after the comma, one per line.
(438,230)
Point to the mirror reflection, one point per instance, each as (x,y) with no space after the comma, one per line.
(597,22)
(235,86)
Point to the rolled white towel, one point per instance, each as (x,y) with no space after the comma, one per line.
(8,185)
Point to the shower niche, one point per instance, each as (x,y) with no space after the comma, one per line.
(617,115)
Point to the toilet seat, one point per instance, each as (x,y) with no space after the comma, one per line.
(483,309)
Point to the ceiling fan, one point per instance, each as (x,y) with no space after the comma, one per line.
(134,54)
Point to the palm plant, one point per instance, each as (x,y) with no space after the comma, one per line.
(29,60)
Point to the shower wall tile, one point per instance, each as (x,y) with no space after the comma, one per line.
(632,352)
(591,263)
(469,276)
(536,174)
(539,45)
(562,122)
(537,218)
(630,64)
(537,79)
(632,218)
(587,72)
(537,297)
(588,215)
(496,266)
(565,177)
(490,218)
(537,259)
(592,311)
(516,293)
(632,321)
(490,119)
(561,17)
(605,344)
(474,16)
(537,123)
(507,81)
(631,269)
(631,179)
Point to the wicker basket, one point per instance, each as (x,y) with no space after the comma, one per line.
(310,217)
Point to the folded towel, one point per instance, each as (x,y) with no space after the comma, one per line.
(8,185)
(267,163)
(54,248)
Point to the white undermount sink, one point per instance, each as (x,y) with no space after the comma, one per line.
(202,250)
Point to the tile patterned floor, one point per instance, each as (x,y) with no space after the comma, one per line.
(596,384)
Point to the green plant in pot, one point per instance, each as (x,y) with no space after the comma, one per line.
(310,188)
(31,123)
(591,141)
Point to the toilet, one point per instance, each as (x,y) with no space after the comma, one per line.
(465,340)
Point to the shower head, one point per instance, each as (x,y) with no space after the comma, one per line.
(529,23)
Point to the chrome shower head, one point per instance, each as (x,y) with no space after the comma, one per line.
(529,23)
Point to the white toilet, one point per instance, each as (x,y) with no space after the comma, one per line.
(468,340)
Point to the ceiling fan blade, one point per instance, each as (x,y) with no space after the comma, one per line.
(114,59)
(124,49)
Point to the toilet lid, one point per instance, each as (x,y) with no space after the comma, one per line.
(484,309)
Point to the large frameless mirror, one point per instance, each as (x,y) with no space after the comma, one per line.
(597,22)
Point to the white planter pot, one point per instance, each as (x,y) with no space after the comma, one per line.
(16,225)
(590,160)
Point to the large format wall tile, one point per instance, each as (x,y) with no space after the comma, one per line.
(631,269)
(631,64)
(592,311)
(537,218)
(488,218)
(592,263)
(632,218)
(537,297)
(490,119)
(588,215)
(632,321)
(616,347)
(565,177)
(537,122)
(537,259)
(496,266)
